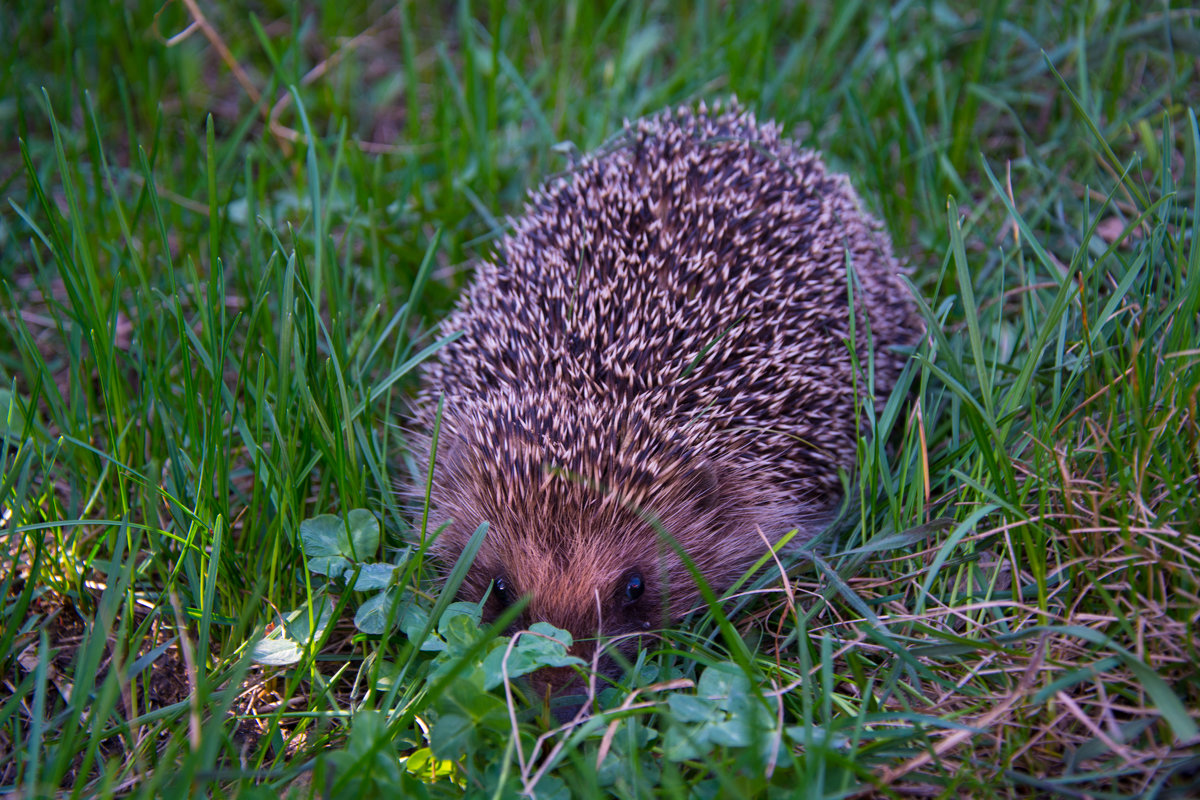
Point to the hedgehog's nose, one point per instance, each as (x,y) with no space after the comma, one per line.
(566,708)
(556,679)
(562,688)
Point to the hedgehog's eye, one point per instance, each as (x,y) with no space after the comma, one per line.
(634,587)
(502,589)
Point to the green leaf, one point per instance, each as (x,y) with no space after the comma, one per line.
(297,630)
(689,708)
(452,735)
(276,652)
(369,763)
(722,713)
(543,645)
(468,716)
(304,626)
(552,787)
(470,613)
(459,631)
(371,576)
(332,566)
(372,616)
(331,543)
(324,535)
(414,622)
(720,681)
(424,766)
(326,544)
(364,534)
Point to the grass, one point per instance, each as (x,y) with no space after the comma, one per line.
(226,238)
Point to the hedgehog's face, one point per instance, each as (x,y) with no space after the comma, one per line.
(583,542)
(570,577)
(613,605)
(611,618)
(581,559)
(583,562)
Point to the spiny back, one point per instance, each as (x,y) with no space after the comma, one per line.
(693,277)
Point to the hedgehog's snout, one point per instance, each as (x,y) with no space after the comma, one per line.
(605,612)
(566,689)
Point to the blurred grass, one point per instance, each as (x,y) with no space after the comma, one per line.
(211,295)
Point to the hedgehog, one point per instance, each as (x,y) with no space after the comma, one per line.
(658,357)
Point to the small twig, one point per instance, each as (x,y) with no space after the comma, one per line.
(1079,714)
(189,662)
(958,737)
(1016,229)
(630,705)
(214,38)
(286,136)
(790,599)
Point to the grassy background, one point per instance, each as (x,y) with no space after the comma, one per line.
(226,234)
